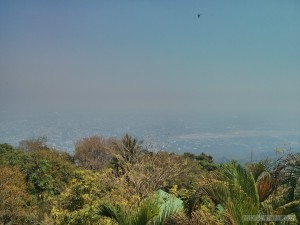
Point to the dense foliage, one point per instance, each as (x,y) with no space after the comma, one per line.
(119,181)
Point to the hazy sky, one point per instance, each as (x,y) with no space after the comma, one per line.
(156,56)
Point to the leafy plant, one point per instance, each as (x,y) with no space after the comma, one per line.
(154,210)
(234,188)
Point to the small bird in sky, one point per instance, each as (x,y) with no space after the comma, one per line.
(199,15)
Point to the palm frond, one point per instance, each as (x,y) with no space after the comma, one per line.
(154,210)
(233,187)
(289,208)
(147,211)
(168,206)
(116,213)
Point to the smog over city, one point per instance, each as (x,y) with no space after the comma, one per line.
(199,72)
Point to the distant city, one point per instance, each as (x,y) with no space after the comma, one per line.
(224,138)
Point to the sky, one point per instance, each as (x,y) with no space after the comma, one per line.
(151,56)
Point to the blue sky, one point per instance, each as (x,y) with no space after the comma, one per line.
(151,56)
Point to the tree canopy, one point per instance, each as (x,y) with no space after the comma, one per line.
(119,181)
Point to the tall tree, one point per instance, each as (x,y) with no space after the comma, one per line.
(33,144)
(16,205)
(94,153)
(127,152)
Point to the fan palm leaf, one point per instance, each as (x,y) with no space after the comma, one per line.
(152,211)
(234,188)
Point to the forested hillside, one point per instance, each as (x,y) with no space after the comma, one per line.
(120,181)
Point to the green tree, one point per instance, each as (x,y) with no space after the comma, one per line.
(11,156)
(48,171)
(204,160)
(41,180)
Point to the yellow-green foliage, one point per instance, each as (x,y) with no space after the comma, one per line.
(44,186)
(78,203)
(16,205)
